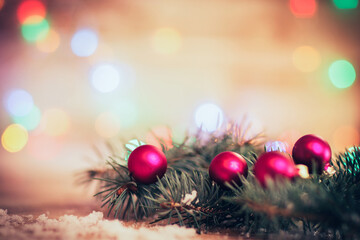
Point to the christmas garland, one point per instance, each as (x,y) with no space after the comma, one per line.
(224,181)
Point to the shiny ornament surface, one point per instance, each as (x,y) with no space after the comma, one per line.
(145,163)
(311,148)
(226,166)
(275,166)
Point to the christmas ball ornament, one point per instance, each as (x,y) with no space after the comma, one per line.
(145,163)
(226,166)
(274,165)
(311,149)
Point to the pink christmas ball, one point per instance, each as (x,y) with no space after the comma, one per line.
(311,149)
(274,166)
(226,166)
(145,163)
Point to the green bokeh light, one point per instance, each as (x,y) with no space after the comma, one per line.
(29,121)
(33,32)
(342,74)
(346,4)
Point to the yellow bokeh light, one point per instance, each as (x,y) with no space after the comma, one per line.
(166,41)
(345,137)
(107,125)
(14,138)
(55,122)
(306,59)
(34,19)
(50,43)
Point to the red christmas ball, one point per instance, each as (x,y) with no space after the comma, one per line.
(311,148)
(226,166)
(274,165)
(145,163)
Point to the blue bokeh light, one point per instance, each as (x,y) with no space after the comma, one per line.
(84,42)
(19,102)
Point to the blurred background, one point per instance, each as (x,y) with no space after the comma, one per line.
(76,74)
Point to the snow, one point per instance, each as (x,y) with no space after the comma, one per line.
(92,226)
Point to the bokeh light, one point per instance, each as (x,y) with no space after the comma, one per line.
(31,120)
(345,136)
(34,30)
(105,78)
(303,8)
(84,42)
(342,74)
(346,4)
(306,58)
(55,122)
(19,102)
(30,8)
(50,43)
(14,138)
(2,2)
(166,41)
(107,124)
(209,117)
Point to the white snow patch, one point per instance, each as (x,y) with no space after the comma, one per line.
(93,227)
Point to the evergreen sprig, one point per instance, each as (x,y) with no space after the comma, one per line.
(325,205)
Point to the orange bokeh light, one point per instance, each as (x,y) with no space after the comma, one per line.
(30,8)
